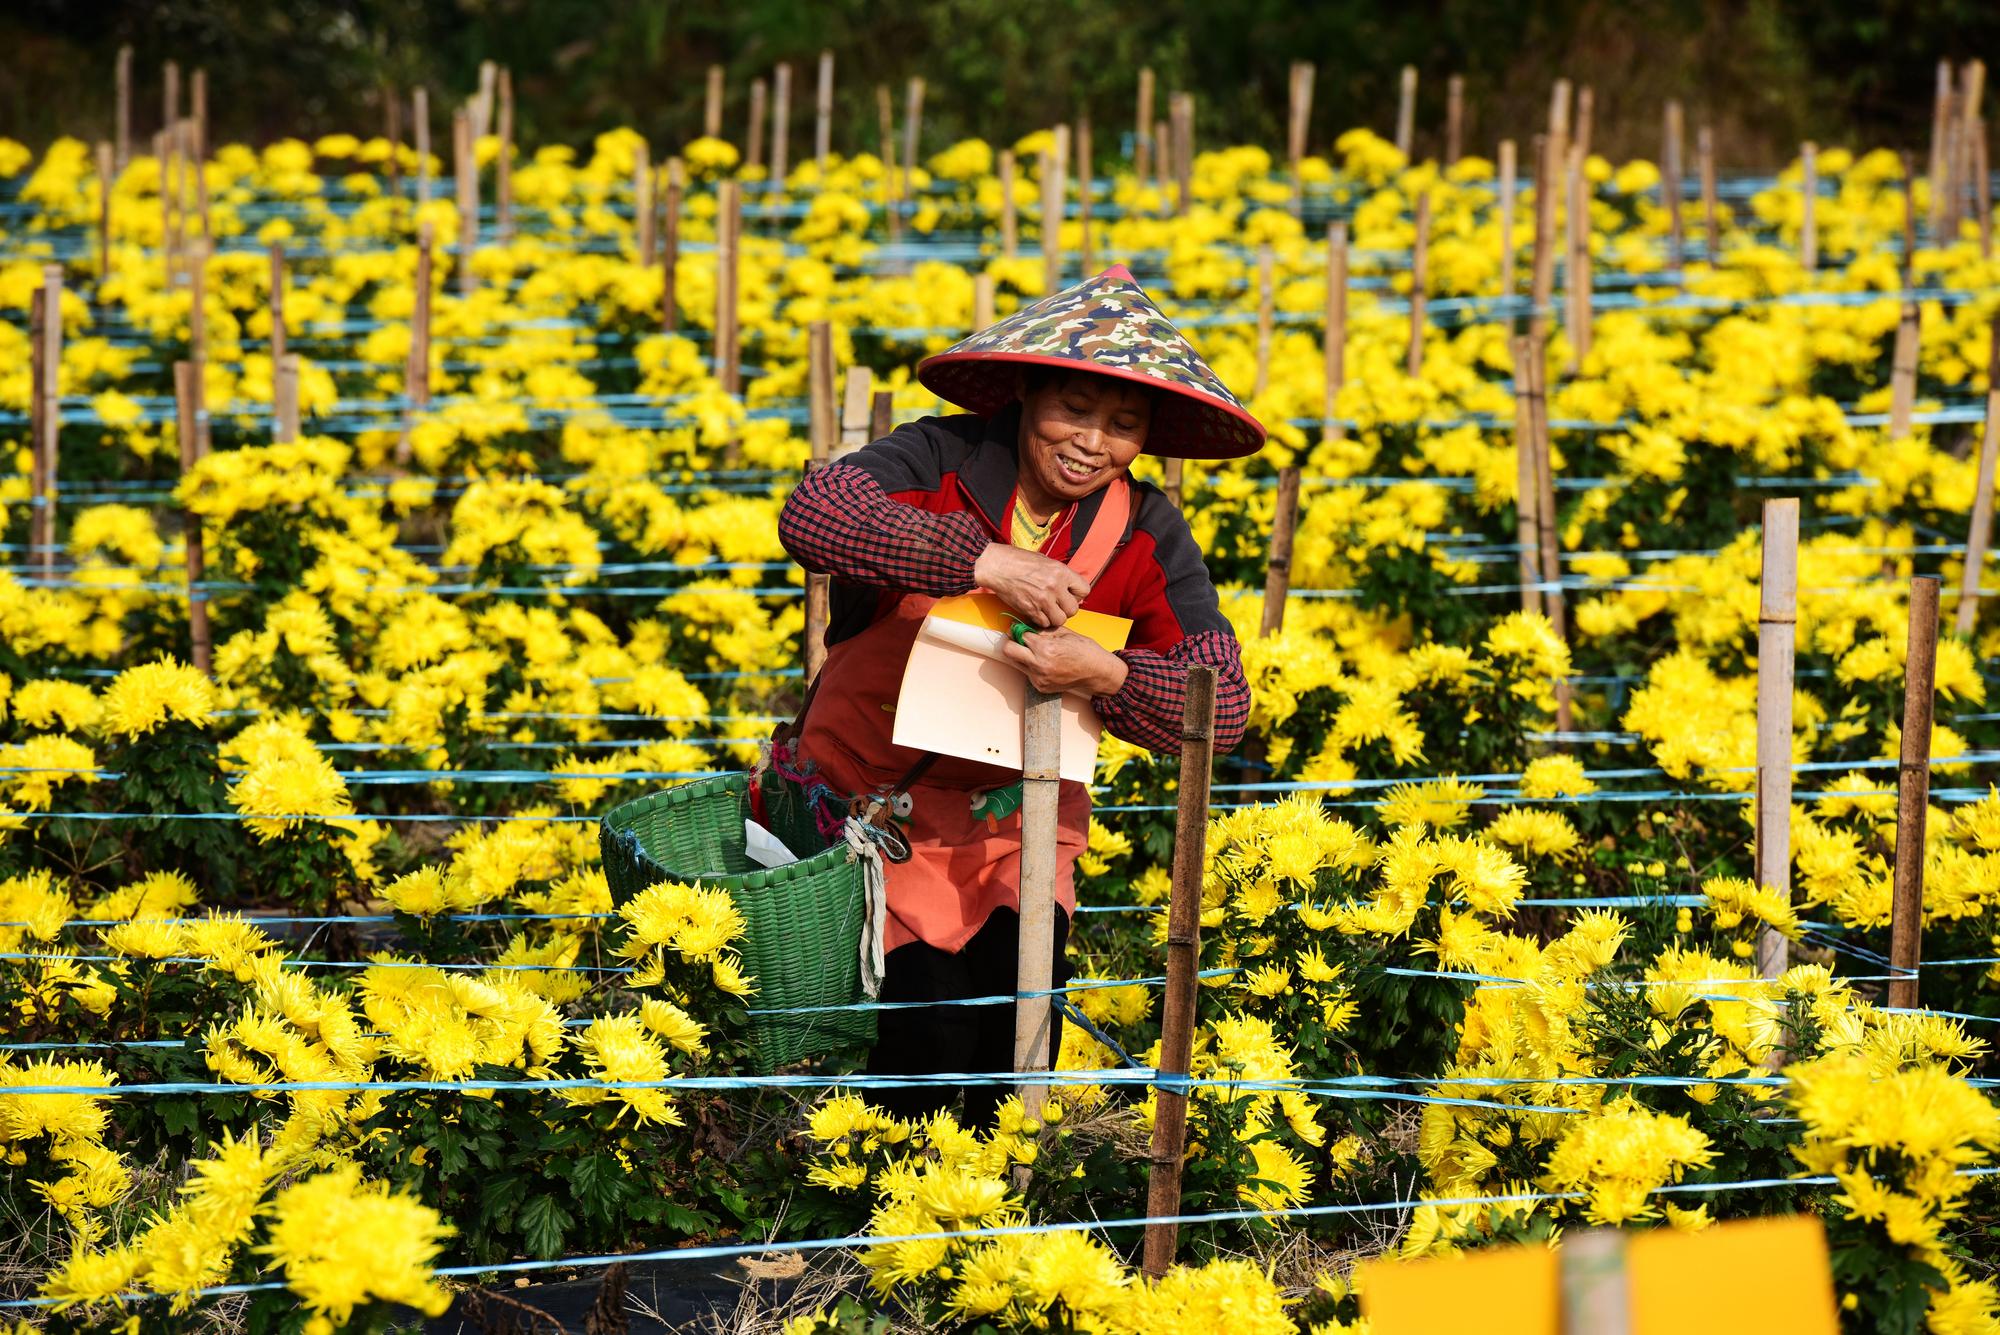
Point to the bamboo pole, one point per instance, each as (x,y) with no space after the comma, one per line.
(1163,163)
(857,411)
(1051,221)
(122,130)
(1406,111)
(1183,114)
(198,154)
(1528,480)
(982,301)
(823,427)
(417,371)
(1809,206)
(163,154)
(1009,228)
(420,128)
(1909,222)
(197,264)
(1982,182)
(644,212)
(1278,568)
(1177,1019)
(885,113)
(46,390)
(1454,118)
(781,122)
(466,177)
(1420,278)
(186,405)
(1041,754)
(1542,278)
(479,111)
(1777,619)
(1981,532)
(670,248)
(1266,315)
(881,413)
(170,95)
(1586,119)
(1670,185)
(1711,227)
(1940,130)
(1913,791)
(1547,522)
(1142,130)
(285,398)
(711,105)
(503,165)
(1509,186)
(1331,427)
(1297,126)
(753,150)
(1903,370)
(823,114)
(107,184)
(729,223)
(913,120)
(277,304)
(392,133)
(1086,180)
(1966,137)
(1170,479)
(1580,297)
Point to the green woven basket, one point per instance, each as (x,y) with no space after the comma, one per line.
(803,921)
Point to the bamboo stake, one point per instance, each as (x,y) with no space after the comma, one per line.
(1278,569)
(170,95)
(1454,118)
(823,426)
(420,119)
(982,301)
(711,107)
(1913,790)
(644,213)
(1420,277)
(1331,427)
(285,398)
(1909,222)
(123,111)
(198,155)
(503,165)
(1777,619)
(1142,130)
(479,111)
(1163,163)
(1704,149)
(881,413)
(277,304)
(823,114)
(781,122)
(1177,1020)
(1297,127)
(392,131)
(1670,186)
(753,154)
(1266,301)
(1981,532)
(1406,111)
(163,154)
(1542,278)
(1041,754)
(186,404)
(1586,117)
(857,411)
(1509,185)
(1903,370)
(1050,222)
(197,263)
(670,248)
(1528,481)
(417,371)
(1580,299)
(1809,206)
(1170,479)
(1183,113)
(729,218)
(886,115)
(47,394)
(913,120)
(1086,182)
(1982,179)
(1009,228)
(1940,129)
(466,176)
(107,184)
(1548,518)
(1966,136)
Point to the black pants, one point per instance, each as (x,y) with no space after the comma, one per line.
(925,1040)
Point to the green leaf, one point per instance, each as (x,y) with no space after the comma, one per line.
(542,1223)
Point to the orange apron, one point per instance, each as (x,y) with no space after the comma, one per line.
(965,860)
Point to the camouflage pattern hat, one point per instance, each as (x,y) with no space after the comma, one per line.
(1107,325)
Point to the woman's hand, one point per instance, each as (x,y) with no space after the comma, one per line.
(1041,590)
(1061,661)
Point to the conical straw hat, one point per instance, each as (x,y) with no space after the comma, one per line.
(1105,324)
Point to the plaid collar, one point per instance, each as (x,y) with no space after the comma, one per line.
(991,471)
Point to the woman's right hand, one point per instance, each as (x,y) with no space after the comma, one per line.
(1040,589)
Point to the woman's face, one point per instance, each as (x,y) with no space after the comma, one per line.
(1078,432)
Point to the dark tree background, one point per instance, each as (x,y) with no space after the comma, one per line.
(1765,73)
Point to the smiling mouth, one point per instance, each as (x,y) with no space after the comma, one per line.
(1074,470)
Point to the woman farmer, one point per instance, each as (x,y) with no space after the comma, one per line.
(1026,497)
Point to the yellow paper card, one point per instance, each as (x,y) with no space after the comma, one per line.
(983,609)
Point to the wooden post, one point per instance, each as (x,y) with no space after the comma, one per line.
(417,372)
(1051,221)
(420,125)
(170,95)
(466,176)
(1940,164)
(1981,533)
(823,114)
(1009,229)
(503,165)
(1509,185)
(729,223)
(1406,111)
(644,212)
(1671,170)
(1297,124)
(1170,480)
(186,404)
(1177,1018)
(711,106)
(1542,279)
(881,413)
(1086,178)
(1903,370)
(1913,792)
(1041,754)
(1711,227)
(122,131)
(913,119)
(1278,569)
(857,411)
(479,110)
(982,300)
(1142,128)
(1809,206)
(1183,113)
(1528,478)
(1266,300)
(819,401)
(107,183)
(781,123)
(753,149)
(277,304)
(1966,134)
(285,398)
(1777,619)
(1454,118)
(670,248)
(1331,427)
(198,145)
(1420,278)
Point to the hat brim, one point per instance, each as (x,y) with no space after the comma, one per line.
(1185,424)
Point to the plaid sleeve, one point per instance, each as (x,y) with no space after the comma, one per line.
(1147,709)
(842,523)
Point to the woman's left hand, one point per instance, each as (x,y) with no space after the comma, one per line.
(1061,661)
